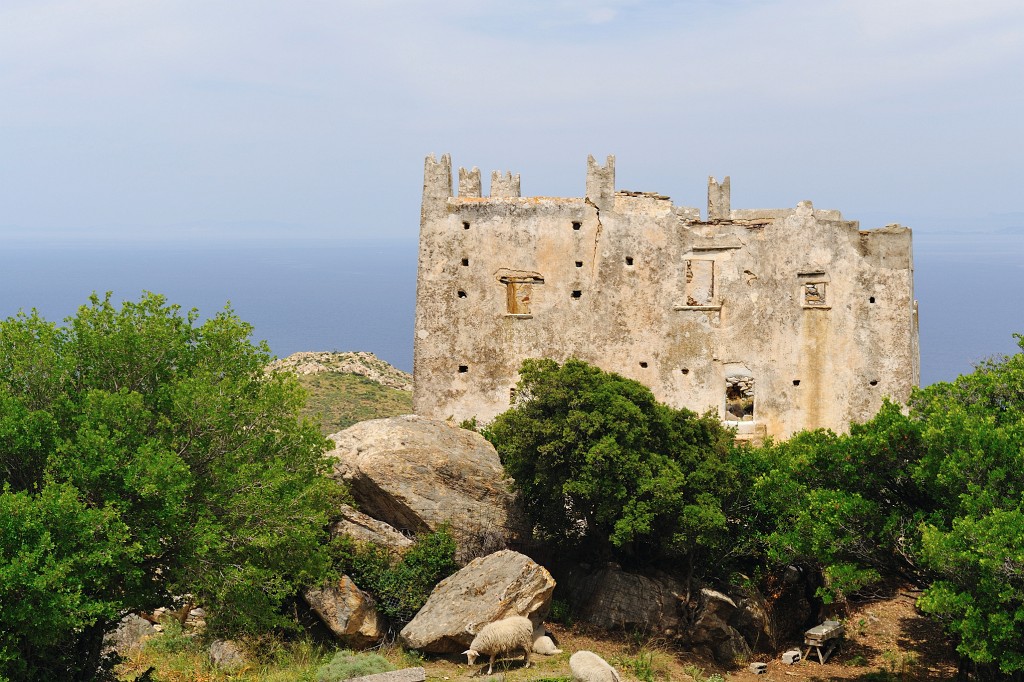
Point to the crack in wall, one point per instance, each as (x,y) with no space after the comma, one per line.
(597,237)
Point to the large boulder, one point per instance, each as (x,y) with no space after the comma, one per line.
(365,528)
(415,474)
(348,612)
(489,588)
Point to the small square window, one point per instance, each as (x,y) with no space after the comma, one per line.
(577,293)
(465,261)
(814,294)
(629,260)
(576,225)
(465,225)
(463,369)
(579,264)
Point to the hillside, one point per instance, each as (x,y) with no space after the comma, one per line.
(346,388)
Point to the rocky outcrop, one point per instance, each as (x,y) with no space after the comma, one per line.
(348,612)
(416,474)
(129,634)
(612,598)
(711,622)
(364,528)
(712,632)
(489,588)
(362,363)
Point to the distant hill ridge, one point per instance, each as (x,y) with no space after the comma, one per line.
(360,362)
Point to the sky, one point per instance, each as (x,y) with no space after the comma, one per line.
(177,119)
(210,122)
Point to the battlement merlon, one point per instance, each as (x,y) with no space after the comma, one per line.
(719,202)
(504,184)
(469,183)
(601,183)
(437,184)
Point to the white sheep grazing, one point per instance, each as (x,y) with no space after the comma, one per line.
(543,644)
(507,635)
(586,666)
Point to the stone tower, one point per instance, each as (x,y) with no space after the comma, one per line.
(777,319)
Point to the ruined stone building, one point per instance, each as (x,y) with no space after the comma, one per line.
(777,319)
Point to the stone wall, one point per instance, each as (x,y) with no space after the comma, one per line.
(811,318)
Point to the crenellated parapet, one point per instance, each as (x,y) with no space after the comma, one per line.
(504,184)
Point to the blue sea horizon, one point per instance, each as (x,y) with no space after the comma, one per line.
(333,295)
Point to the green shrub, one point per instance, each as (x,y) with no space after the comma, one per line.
(172,640)
(561,612)
(605,468)
(345,665)
(402,584)
(144,455)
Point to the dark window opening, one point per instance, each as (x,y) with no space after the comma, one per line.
(643,364)
(685,370)
(462,294)
(579,264)
(465,225)
(512,396)
(739,398)
(796,382)
(629,260)
(577,293)
(871,300)
(576,225)
(465,261)
(873,382)
(463,369)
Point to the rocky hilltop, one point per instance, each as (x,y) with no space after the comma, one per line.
(360,362)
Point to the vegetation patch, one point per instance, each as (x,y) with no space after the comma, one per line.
(336,401)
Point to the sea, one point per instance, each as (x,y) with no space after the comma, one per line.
(335,295)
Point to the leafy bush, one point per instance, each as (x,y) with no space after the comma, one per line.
(345,665)
(144,456)
(933,495)
(400,584)
(604,467)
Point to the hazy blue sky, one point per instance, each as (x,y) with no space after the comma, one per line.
(168,118)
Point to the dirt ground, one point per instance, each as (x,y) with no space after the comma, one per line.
(886,641)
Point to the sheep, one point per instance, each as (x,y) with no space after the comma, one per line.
(502,636)
(543,643)
(586,666)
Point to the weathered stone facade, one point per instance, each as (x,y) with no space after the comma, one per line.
(778,319)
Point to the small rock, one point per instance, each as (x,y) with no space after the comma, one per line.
(226,654)
(404,675)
